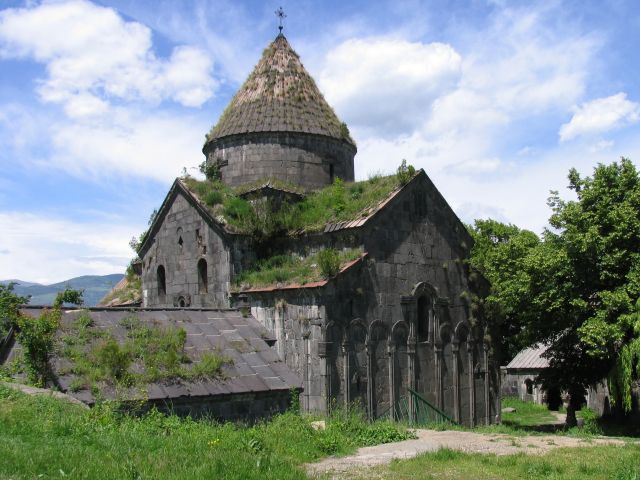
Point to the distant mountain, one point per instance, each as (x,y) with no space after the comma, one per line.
(95,287)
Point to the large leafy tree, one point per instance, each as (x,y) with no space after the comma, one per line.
(578,289)
(588,283)
(499,253)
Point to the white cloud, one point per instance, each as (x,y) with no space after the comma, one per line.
(601,115)
(387,84)
(127,143)
(47,250)
(93,56)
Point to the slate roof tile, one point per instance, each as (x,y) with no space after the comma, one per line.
(207,330)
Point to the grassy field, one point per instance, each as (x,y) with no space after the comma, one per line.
(601,462)
(526,413)
(41,437)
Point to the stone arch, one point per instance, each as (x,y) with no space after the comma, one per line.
(528,387)
(379,368)
(463,375)
(461,332)
(334,338)
(203,278)
(426,296)
(358,364)
(399,363)
(445,334)
(161,279)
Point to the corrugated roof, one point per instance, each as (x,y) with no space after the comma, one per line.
(530,358)
(279,96)
(255,366)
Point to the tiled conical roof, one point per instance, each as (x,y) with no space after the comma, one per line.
(279,96)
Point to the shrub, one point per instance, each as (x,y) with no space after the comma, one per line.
(9,303)
(405,173)
(329,262)
(113,359)
(213,197)
(591,425)
(211,170)
(37,336)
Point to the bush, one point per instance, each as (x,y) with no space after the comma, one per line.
(329,262)
(405,173)
(213,197)
(37,336)
(591,425)
(113,360)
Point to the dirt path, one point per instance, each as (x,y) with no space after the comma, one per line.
(431,440)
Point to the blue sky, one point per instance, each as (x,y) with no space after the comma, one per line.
(103,104)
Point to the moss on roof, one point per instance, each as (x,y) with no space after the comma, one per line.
(284,270)
(279,96)
(338,202)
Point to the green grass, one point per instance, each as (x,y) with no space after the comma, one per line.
(42,437)
(337,202)
(148,353)
(526,413)
(288,269)
(601,462)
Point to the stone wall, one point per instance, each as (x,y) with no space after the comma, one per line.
(514,384)
(182,241)
(404,317)
(246,407)
(310,161)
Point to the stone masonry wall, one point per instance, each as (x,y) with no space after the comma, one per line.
(302,159)
(249,407)
(402,318)
(183,239)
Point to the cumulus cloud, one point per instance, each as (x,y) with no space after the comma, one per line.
(47,250)
(127,143)
(467,118)
(386,84)
(601,115)
(93,56)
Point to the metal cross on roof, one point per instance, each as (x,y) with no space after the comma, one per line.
(281,16)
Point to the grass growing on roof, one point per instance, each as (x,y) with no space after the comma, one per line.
(290,269)
(148,353)
(43,437)
(338,202)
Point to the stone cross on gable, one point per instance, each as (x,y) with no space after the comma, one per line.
(281,16)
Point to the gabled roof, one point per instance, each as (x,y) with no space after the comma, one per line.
(177,188)
(530,358)
(254,366)
(279,96)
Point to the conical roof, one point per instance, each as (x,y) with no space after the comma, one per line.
(279,96)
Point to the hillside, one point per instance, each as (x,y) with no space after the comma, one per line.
(95,288)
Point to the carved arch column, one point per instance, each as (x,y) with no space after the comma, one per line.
(472,383)
(345,365)
(487,397)
(455,348)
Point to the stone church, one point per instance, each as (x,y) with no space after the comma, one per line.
(404,316)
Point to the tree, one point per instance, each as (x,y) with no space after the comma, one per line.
(577,291)
(9,303)
(499,253)
(36,335)
(589,284)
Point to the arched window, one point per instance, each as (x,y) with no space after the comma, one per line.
(202,276)
(529,386)
(425,316)
(162,282)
